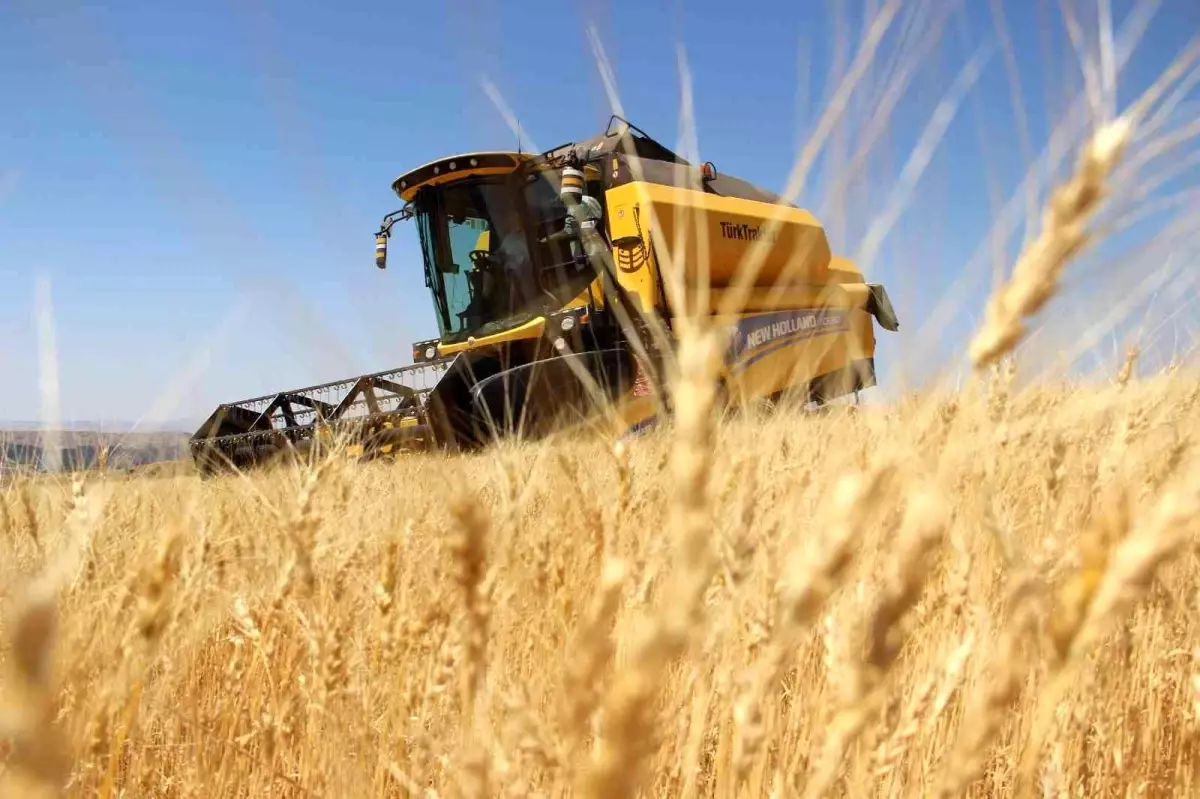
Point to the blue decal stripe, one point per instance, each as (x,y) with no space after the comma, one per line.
(744,363)
(642,426)
(741,358)
(764,324)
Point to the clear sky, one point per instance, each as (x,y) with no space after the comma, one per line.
(200,182)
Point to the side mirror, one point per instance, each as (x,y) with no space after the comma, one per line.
(381,250)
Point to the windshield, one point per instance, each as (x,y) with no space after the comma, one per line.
(476,237)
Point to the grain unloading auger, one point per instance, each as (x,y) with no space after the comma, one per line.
(546,276)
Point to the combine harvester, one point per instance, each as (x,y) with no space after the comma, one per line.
(549,287)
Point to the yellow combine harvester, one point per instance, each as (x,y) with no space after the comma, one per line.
(550,282)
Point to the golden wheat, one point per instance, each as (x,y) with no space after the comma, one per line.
(437,649)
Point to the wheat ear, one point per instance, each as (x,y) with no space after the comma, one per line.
(1064,233)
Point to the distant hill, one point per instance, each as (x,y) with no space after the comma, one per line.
(187,426)
(24,449)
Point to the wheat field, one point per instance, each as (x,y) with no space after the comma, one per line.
(986,594)
(987,591)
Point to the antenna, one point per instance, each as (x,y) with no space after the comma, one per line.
(518,135)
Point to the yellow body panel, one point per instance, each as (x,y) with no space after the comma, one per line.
(843,270)
(789,349)
(803,320)
(634,264)
(634,412)
(592,294)
(531,329)
(779,298)
(791,361)
(798,251)
(790,358)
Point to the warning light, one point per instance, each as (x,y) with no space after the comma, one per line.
(708,171)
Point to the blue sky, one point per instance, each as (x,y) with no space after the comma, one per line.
(200,183)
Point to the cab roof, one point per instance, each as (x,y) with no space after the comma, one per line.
(453,167)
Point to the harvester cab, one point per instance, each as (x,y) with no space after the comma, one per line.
(546,281)
(492,264)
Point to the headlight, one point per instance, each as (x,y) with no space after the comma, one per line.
(429,353)
(568,324)
(560,344)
